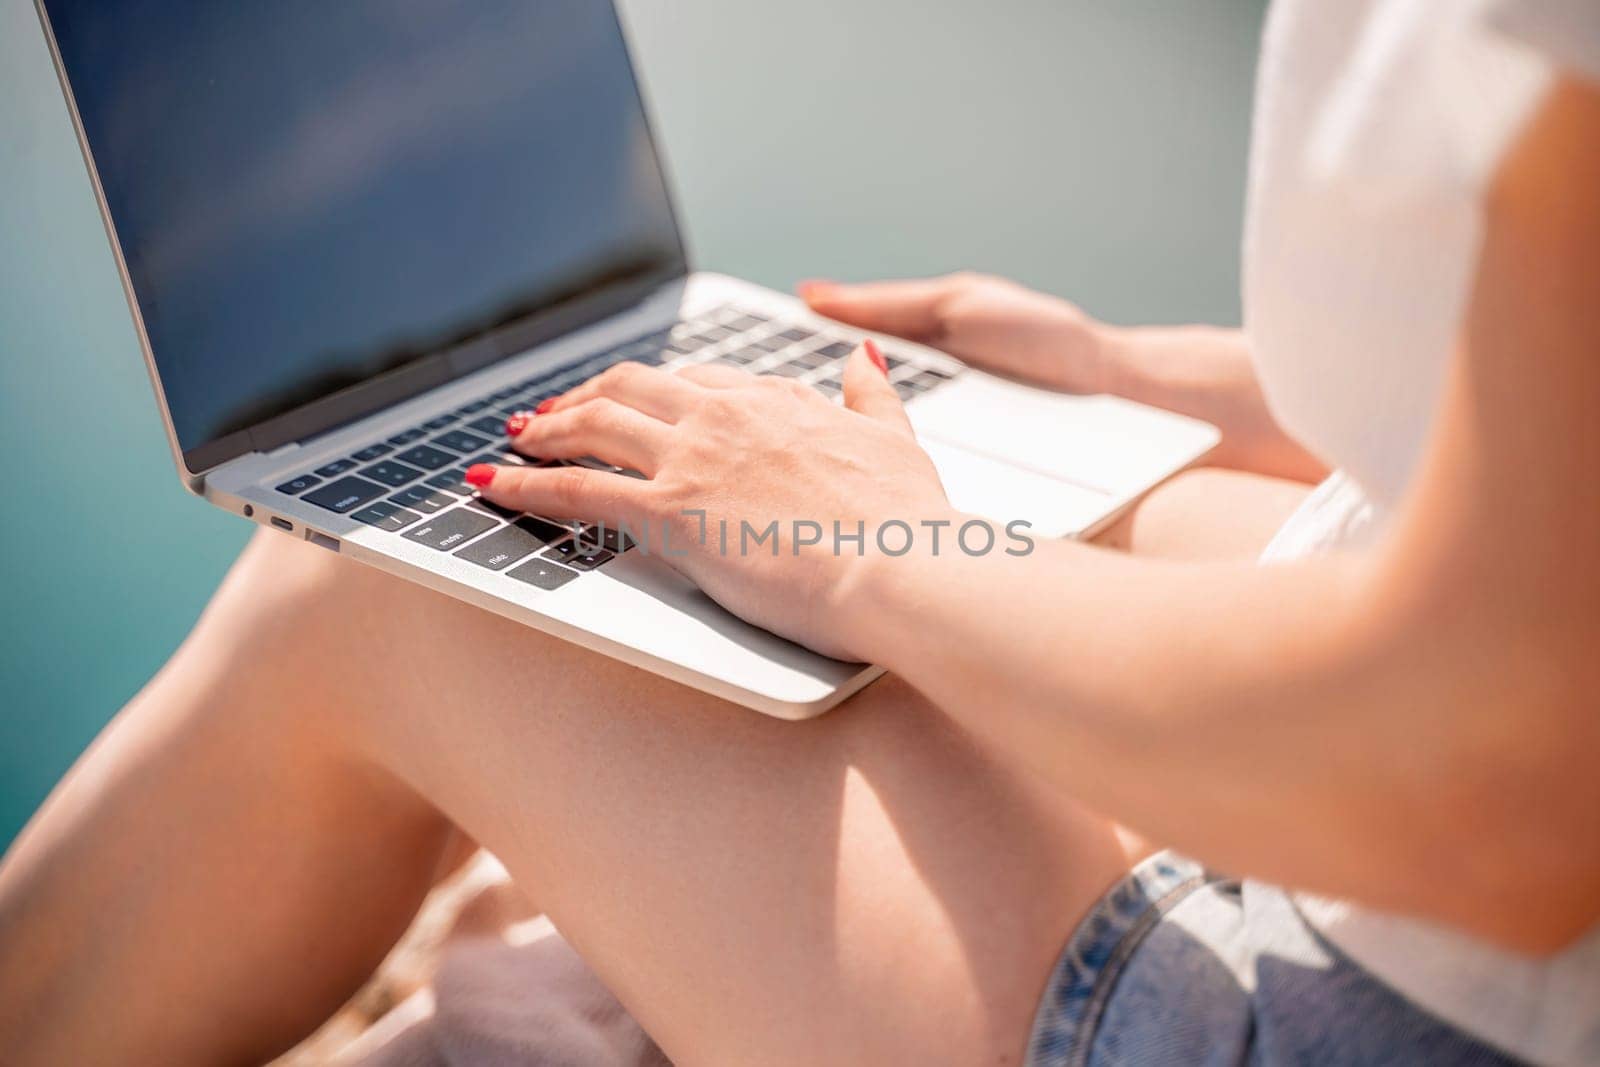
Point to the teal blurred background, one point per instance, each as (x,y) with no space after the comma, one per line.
(1096,150)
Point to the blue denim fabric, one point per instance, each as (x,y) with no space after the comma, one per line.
(1179,966)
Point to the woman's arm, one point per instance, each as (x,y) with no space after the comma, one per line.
(1417,729)
(999,326)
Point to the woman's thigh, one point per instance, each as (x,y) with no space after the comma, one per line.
(869,886)
(1207,513)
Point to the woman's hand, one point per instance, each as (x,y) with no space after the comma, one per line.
(1001,327)
(727,456)
(984,321)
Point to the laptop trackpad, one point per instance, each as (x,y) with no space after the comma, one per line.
(1098,442)
(1002,492)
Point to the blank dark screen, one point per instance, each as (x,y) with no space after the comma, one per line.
(308,194)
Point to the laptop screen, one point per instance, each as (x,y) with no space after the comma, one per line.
(311,195)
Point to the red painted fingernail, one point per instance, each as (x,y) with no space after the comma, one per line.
(480,474)
(545,405)
(877,357)
(516,424)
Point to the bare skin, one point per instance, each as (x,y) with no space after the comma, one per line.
(250,840)
(1411,727)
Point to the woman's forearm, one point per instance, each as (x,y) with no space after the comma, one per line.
(1206,372)
(1137,684)
(1272,720)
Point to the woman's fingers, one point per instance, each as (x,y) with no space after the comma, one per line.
(648,389)
(716,375)
(565,493)
(599,427)
(867,389)
(911,309)
(982,320)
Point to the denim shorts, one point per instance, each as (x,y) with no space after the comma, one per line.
(1178,965)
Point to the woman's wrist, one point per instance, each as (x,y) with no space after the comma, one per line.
(1180,368)
(881,601)
(1119,365)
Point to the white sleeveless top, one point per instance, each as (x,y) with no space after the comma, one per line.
(1378,125)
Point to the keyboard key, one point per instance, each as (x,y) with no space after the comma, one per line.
(546,531)
(590,367)
(925,381)
(452,481)
(501,548)
(770,344)
(790,369)
(461,441)
(367,455)
(506,456)
(507,393)
(829,386)
(542,574)
(578,555)
(344,494)
(809,360)
(797,334)
(745,322)
(338,466)
(386,516)
(651,355)
(391,473)
(472,408)
(296,486)
(489,425)
(427,457)
(402,439)
(441,422)
(423,498)
(606,537)
(449,529)
(836,350)
(496,510)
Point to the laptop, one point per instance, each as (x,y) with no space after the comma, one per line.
(355,237)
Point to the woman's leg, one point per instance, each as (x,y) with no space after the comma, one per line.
(252,834)
(213,878)
(1207,513)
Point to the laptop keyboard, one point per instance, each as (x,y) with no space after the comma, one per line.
(414,483)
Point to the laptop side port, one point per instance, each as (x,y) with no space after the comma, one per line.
(322,540)
(283,524)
